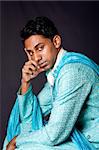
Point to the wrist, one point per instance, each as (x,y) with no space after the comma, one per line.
(24,86)
(24,81)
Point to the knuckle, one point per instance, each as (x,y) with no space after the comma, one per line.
(22,69)
(26,62)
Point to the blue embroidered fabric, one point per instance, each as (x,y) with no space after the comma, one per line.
(37,121)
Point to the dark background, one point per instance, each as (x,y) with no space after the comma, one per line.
(78,23)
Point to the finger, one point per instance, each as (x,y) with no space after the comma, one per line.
(34,75)
(29,57)
(27,71)
(30,68)
(34,63)
(31,62)
(41,70)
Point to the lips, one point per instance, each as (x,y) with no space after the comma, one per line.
(43,64)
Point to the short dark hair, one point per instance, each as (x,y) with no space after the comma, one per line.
(39,26)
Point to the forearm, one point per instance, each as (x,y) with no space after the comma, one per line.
(24,86)
(25,102)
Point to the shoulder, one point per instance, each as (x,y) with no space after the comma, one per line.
(77,70)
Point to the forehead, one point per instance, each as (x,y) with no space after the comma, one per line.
(35,40)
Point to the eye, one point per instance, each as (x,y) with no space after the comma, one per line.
(31,53)
(41,48)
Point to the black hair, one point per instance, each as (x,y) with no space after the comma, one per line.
(39,26)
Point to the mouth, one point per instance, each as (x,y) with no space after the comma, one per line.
(43,64)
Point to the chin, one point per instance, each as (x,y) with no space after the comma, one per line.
(47,67)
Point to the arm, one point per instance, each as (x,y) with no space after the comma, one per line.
(25,102)
(73,87)
(25,96)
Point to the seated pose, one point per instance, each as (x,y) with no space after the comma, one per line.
(65,113)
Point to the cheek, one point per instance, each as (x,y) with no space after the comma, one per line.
(50,58)
(47,56)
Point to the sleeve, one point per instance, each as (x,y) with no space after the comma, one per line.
(5,143)
(25,102)
(73,88)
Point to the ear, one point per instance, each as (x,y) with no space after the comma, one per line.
(57,41)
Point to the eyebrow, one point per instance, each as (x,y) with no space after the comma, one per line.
(34,46)
(37,45)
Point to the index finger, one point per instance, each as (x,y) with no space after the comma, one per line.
(31,62)
(29,57)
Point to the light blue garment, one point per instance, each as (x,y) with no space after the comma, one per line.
(37,122)
(14,120)
(80,140)
(72,57)
(13,125)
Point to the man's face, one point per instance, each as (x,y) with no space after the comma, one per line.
(42,50)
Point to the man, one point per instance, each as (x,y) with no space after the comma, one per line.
(64,115)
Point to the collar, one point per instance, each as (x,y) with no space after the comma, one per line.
(50,73)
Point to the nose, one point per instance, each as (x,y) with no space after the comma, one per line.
(37,57)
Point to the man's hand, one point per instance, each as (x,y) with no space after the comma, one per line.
(12,144)
(29,71)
